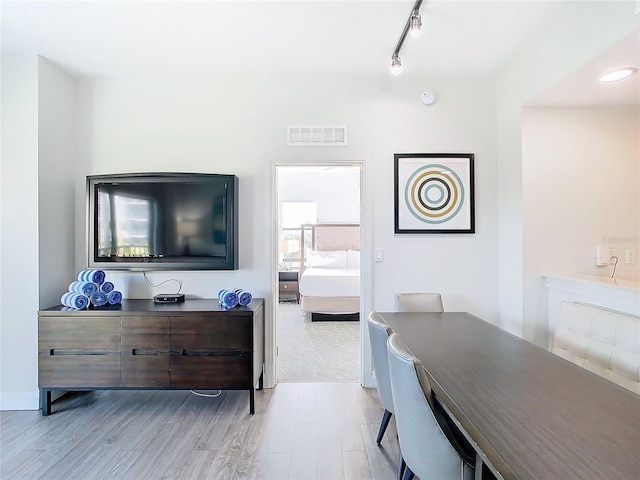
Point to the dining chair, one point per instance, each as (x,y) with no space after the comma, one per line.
(379,333)
(428,446)
(418,302)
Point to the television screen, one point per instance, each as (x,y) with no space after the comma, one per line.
(170,221)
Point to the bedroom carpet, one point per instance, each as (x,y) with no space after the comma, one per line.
(316,351)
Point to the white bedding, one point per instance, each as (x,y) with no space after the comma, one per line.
(330,282)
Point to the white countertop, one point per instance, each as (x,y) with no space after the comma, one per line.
(597,280)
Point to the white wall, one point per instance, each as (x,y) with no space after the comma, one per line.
(238,125)
(19,234)
(463,267)
(562,48)
(336,191)
(56,181)
(581,188)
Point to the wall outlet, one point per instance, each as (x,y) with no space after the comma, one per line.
(630,256)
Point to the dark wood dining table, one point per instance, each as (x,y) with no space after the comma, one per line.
(528,413)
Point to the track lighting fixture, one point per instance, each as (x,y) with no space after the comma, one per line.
(413,25)
(396,64)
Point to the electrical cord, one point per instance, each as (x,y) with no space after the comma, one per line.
(614,265)
(149,284)
(208,395)
(179,282)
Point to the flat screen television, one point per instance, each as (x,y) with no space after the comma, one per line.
(163,221)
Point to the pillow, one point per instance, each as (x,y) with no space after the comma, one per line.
(353,259)
(327,258)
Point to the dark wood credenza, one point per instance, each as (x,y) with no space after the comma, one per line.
(194,345)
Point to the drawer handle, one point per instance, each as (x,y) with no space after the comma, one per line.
(144,351)
(70,351)
(212,353)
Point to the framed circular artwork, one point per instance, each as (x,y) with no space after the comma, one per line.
(434,193)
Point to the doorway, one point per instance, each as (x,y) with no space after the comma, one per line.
(328,350)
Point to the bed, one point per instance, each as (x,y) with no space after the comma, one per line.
(329,282)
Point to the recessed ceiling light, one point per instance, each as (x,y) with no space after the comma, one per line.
(618,74)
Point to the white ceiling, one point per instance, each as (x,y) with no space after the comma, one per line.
(123,38)
(583,88)
(116,38)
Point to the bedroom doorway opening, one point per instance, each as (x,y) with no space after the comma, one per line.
(317,348)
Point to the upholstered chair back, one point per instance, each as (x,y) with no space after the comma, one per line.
(425,448)
(379,332)
(418,302)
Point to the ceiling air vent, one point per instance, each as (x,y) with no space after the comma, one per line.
(317,135)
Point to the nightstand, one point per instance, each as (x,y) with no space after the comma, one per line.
(288,286)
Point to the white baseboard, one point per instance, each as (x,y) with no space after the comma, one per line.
(20,400)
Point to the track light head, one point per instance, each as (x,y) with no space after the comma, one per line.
(396,64)
(415,24)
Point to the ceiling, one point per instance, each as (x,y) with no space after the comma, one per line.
(114,38)
(148,38)
(583,88)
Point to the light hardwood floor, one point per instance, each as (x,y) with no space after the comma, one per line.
(299,431)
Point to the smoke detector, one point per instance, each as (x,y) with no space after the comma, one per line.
(428,98)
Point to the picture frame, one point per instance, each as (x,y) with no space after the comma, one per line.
(434,193)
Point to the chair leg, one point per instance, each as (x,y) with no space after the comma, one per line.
(408,474)
(401,466)
(386,416)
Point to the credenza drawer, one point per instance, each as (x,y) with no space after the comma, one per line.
(145,333)
(211,333)
(71,369)
(215,371)
(77,332)
(146,368)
